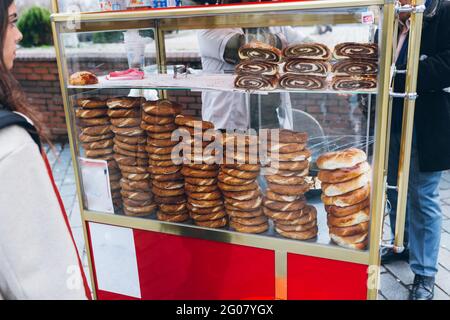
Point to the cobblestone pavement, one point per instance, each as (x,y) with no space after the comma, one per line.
(396,278)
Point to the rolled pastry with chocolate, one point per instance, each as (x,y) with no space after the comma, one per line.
(310,51)
(250,82)
(305,82)
(350,67)
(354,83)
(257,68)
(356,50)
(256,50)
(309,67)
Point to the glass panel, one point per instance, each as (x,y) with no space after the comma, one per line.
(198,72)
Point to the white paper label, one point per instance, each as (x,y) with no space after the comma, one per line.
(97,189)
(367,17)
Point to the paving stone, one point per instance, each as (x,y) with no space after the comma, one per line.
(75,216)
(445,240)
(444,185)
(402,271)
(67,190)
(443,279)
(393,289)
(381,297)
(78,236)
(382,269)
(444,258)
(446,225)
(439,294)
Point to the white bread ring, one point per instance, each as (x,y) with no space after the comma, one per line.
(248,205)
(345,174)
(285,180)
(215,195)
(341,159)
(209,210)
(300,235)
(173,208)
(247,187)
(170,185)
(337,189)
(172,217)
(219,223)
(247,175)
(296,228)
(358,241)
(244,214)
(249,229)
(345,211)
(253,221)
(350,220)
(242,195)
(350,231)
(200,189)
(310,214)
(281,197)
(285,206)
(348,199)
(208,216)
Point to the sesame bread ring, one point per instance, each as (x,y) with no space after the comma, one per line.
(294,156)
(123,103)
(283,215)
(242,195)
(154,128)
(337,189)
(91,103)
(159,150)
(173,208)
(345,174)
(348,199)
(285,180)
(247,187)
(98,152)
(126,122)
(198,210)
(140,155)
(248,205)
(136,176)
(129,147)
(341,159)
(201,181)
(115,186)
(291,165)
(149,119)
(249,229)
(142,186)
(243,167)
(254,221)
(159,143)
(238,139)
(88,139)
(350,220)
(130,161)
(310,214)
(133,214)
(285,136)
(345,211)
(350,231)
(302,235)
(169,185)
(358,241)
(285,173)
(193,122)
(200,189)
(285,206)
(170,200)
(204,203)
(160,135)
(92,122)
(296,228)
(124,113)
(244,214)
(287,147)
(270,195)
(129,132)
(131,140)
(164,170)
(208,217)
(142,209)
(195,133)
(162,108)
(93,113)
(219,223)
(106,157)
(172,217)
(167,177)
(137,204)
(247,175)
(166,163)
(203,167)
(98,144)
(167,192)
(289,190)
(215,195)
(96,130)
(188,172)
(230,180)
(115,177)
(135,195)
(162,157)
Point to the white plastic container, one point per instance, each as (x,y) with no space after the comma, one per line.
(135,47)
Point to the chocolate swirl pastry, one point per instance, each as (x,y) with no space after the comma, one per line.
(350,67)
(354,83)
(256,50)
(251,82)
(311,51)
(257,68)
(310,67)
(306,82)
(355,50)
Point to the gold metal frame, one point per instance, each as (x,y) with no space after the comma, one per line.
(280,246)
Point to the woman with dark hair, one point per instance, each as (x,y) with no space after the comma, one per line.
(38,257)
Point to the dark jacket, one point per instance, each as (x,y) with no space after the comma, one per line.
(432,117)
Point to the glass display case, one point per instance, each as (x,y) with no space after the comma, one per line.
(301,88)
